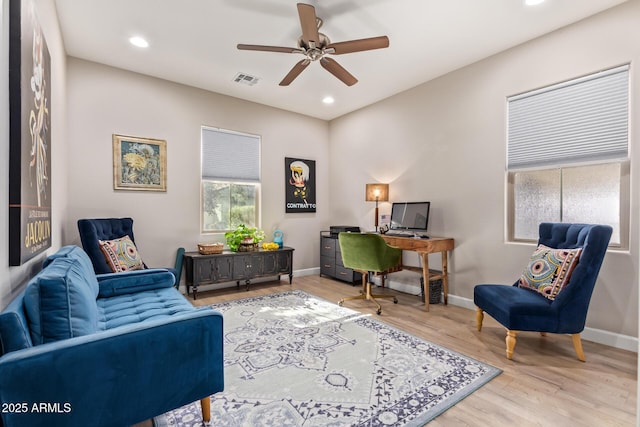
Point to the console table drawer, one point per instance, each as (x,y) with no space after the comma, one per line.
(212,270)
(284,261)
(205,271)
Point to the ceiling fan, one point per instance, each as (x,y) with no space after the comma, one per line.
(314,46)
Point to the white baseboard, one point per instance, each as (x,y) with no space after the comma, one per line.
(307,272)
(600,336)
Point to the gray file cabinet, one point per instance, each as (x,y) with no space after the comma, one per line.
(331,260)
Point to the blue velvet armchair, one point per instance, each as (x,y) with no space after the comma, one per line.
(93,230)
(522,309)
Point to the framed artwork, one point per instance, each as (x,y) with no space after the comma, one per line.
(139,163)
(29,135)
(300,185)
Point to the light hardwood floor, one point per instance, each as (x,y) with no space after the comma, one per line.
(544,385)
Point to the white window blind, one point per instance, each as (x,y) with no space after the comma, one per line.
(228,155)
(580,120)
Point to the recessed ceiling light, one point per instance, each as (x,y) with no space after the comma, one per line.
(328,100)
(533,2)
(138,41)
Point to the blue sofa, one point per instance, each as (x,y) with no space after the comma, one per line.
(80,349)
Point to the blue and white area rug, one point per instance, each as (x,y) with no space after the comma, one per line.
(292,359)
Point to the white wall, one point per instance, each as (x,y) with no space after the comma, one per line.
(104,100)
(444,141)
(12,279)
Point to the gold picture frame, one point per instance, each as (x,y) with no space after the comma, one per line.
(139,163)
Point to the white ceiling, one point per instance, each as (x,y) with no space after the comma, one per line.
(193,42)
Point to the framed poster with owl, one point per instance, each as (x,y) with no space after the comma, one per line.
(300,185)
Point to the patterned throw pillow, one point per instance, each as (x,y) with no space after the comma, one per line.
(121,254)
(549,270)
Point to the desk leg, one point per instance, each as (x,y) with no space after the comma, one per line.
(445,276)
(425,278)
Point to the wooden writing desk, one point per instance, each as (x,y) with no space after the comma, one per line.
(424,247)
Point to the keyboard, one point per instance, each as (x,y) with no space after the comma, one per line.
(398,234)
(405,234)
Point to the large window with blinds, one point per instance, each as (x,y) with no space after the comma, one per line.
(230,187)
(568,155)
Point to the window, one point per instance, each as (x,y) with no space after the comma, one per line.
(230,189)
(567,155)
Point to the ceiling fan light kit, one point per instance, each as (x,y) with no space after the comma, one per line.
(314,46)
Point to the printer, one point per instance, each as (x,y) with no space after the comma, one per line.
(334,230)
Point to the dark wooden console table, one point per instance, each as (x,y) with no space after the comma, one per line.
(229,266)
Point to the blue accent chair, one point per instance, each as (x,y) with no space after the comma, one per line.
(92,230)
(79,349)
(178,266)
(520,309)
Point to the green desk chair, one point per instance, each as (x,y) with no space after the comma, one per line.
(365,253)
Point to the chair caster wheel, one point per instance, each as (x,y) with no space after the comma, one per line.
(379,311)
(395,300)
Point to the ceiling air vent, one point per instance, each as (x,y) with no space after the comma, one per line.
(245,79)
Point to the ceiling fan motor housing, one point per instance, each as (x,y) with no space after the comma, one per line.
(315,52)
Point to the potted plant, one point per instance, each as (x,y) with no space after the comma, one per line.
(243,236)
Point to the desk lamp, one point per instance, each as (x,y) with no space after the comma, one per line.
(378,193)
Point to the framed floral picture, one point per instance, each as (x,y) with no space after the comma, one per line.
(139,163)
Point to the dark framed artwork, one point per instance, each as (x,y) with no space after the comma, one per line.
(139,163)
(300,185)
(29,135)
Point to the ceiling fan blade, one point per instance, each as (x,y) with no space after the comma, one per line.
(309,24)
(337,70)
(359,45)
(295,72)
(270,48)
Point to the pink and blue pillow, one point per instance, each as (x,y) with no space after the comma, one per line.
(549,270)
(121,254)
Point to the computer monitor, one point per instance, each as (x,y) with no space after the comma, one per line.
(413,216)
